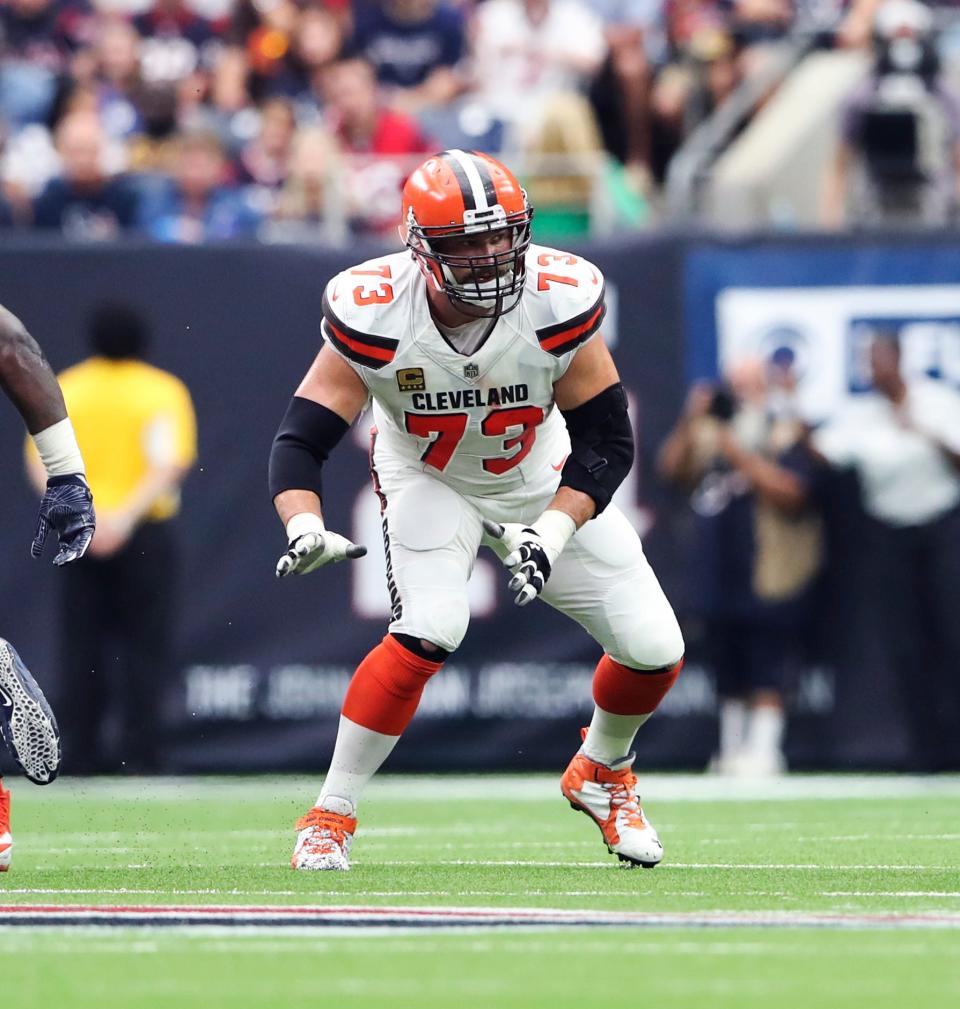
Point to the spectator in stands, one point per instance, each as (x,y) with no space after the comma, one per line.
(738,449)
(85,201)
(621,91)
(902,438)
(315,43)
(153,150)
(37,41)
(178,42)
(136,427)
(856,27)
(526,51)
(415,47)
(898,157)
(197,206)
(28,162)
(280,48)
(116,79)
(758,21)
(264,161)
(260,35)
(383,143)
(564,164)
(309,207)
(702,72)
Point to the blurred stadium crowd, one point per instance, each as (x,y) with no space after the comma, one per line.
(204,120)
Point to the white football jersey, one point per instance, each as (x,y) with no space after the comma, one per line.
(484,423)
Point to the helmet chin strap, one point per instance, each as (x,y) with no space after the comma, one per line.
(497,287)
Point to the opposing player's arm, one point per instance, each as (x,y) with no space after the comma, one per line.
(27,378)
(594,406)
(29,382)
(326,403)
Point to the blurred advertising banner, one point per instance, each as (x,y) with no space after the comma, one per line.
(828,330)
(263,664)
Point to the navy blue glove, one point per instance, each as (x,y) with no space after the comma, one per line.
(67,506)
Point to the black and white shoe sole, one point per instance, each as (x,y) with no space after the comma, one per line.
(27,723)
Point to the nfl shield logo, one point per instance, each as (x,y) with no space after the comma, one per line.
(471,370)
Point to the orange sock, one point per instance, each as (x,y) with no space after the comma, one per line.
(625,691)
(4,809)
(386,688)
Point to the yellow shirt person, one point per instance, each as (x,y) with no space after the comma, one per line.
(131,419)
(136,427)
(118,606)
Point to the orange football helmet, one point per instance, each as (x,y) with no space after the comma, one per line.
(459,193)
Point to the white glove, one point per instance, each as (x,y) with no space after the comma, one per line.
(533,550)
(311,546)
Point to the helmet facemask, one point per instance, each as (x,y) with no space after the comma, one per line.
(485,285)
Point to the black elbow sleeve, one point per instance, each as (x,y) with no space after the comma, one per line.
(601,446)
(307,436)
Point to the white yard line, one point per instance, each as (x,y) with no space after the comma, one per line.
(508,788)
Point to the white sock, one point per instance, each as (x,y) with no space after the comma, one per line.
(765,730)
(610,736)
(733,726)
(357,756)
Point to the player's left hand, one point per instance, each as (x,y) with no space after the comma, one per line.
(67,507)
(533,550)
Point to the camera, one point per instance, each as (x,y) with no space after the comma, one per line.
(723,405)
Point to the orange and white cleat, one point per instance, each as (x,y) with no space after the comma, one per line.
(324,837)
(6,841)
(606,794)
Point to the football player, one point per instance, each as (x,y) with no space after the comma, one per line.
(499,420)
(27,724)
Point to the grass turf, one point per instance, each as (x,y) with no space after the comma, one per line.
(879,846)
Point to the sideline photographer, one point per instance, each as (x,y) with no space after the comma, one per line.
(898,155)
(738,449)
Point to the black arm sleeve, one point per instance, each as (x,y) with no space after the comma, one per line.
(601,446)
(307,436)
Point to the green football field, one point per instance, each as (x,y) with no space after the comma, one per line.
(804,892)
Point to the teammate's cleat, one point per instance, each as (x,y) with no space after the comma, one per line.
(27,724)
(324,837)
(6,841)
(606,794)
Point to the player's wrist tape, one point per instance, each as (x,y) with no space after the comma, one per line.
(304,522)
(308,434)
(555,527)
(58,449)
(601,446)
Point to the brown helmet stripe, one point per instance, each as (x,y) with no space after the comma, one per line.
(466,190)
(489,187)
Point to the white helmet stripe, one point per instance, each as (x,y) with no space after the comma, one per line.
(465,161)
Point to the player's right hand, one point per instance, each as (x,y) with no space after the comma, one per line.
(312,546)
(67,508)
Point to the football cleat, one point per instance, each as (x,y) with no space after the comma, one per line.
(6,841)
(324,837)
(27,724)
(606,794)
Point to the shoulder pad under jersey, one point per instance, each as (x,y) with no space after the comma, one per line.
(362,313)
(564,298)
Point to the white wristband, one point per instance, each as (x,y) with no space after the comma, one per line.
(304,522)
(58,449)
(555,528)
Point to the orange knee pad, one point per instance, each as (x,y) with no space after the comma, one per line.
(386,688)
(625,691)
